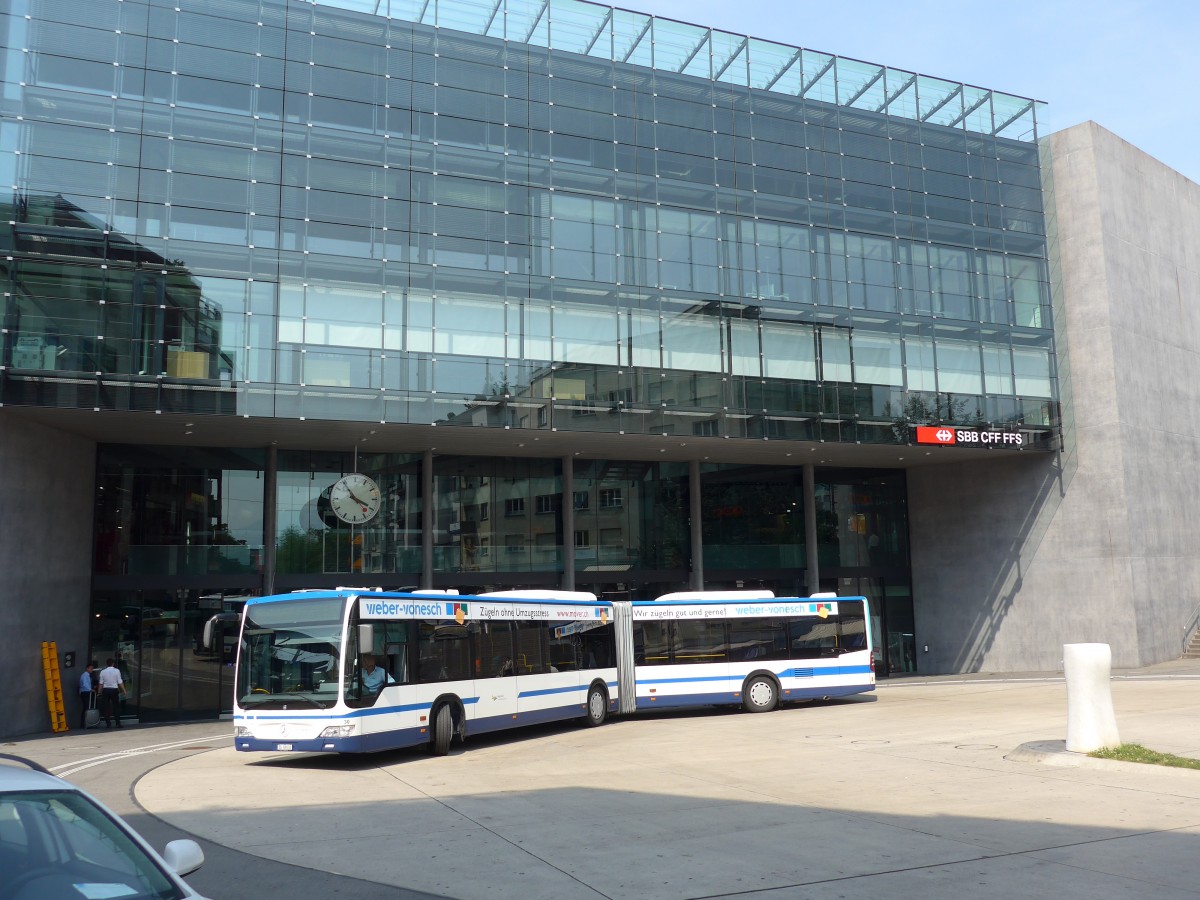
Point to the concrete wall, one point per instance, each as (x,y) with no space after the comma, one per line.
(46,501)
(1015,558)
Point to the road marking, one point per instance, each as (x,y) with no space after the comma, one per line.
(79,765)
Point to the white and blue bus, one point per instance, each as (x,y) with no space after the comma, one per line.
(354,671)
(444,665)
(745,648)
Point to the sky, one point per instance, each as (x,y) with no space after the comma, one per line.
(1131,66)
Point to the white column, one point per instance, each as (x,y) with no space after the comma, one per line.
(1091,723)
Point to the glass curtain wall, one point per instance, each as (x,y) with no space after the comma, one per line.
(631,525)
(314,548)
(494,516)
(320,211)
(753,521)
(189,522)
(166,511)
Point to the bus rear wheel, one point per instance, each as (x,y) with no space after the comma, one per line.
(760,694)
(443,731)
(597,706)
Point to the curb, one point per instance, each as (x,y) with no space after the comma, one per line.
(1055,753)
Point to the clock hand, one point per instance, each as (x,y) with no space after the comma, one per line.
(359,500)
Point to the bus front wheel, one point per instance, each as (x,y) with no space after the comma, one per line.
(760,694)
(443,730)
(597,706)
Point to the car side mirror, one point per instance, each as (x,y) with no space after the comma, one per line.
(183,856)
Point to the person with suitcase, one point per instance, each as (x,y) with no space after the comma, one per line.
(87,694)
(112,688)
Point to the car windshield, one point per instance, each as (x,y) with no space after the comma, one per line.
(289,654)
(60,844)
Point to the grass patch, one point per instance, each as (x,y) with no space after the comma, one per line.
(1139,754)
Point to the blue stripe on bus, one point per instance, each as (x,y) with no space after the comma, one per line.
(558,690)
(353,713)
(733,698)
(681,680)
(814,671)
(786,673)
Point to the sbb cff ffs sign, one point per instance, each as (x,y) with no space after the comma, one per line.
(970,437)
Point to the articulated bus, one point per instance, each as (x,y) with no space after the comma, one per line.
(741,647)
(450,665)
(353,671)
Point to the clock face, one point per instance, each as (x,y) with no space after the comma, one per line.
(355,499)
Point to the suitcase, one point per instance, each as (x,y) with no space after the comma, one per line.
(91,718)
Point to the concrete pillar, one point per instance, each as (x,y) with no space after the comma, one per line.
(697,531)
(810,530)
(270,518)
(568,522)
(1091,723)
(427,519)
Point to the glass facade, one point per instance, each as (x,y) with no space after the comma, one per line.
(542,218)
(524,214)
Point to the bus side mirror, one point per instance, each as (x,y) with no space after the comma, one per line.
(366,639)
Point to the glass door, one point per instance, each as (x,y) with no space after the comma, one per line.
(176,650)
(892,620)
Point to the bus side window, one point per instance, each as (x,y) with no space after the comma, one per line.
(813,638)
(854,626)
(564,650)
(397,662)
(493,650)
(651,643)
(532,648)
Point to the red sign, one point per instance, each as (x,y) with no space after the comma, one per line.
(935,434)
(967,437)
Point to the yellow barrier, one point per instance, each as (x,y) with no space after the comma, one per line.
(54,693)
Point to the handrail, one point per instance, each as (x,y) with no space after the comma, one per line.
(1192,627)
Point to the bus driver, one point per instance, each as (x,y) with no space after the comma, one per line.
(373,677)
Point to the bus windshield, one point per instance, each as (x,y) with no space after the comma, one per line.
(290,653)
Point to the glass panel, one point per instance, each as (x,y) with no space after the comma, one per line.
(860,84)
(978,110)
(997,370)
(312,540)
(469,327)
(788,351)
(919,364)
(116,634)
(585,334)
(677,45)
(835,355)
(636,514)
(753,518)
(744,349)
(692,342)
(818,81)
(877,358)
(498,515)
(940,102)
(181,512)
(901,93)
(575,27)
(958,366)
(862,519)
(1031,369)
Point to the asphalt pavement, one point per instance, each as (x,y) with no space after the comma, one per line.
(929,788)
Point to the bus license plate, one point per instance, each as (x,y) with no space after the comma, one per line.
(283,746)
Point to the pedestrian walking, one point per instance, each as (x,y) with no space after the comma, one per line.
(87,692)
(112,689)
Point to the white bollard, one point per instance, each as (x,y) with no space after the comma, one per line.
(1091,723)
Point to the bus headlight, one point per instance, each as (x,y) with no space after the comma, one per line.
(337,731)
(241,731)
